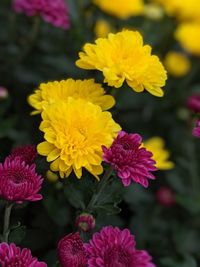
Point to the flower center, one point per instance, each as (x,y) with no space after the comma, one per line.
(117,257)
(17,177)
(126,146)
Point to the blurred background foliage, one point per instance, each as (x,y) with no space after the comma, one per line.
(31,52)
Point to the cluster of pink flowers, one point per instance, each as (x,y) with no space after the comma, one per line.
(111,247)
(18,178)
(52,11)
(11,256)
(131,161)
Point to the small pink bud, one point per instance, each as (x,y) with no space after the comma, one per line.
(3,92)
(165,196)
(85,222)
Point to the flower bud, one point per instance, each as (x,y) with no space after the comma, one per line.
(85,222)
(51,176)
(3,92)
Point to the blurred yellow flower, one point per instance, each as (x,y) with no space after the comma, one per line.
(157,146)
(120,8)
(74,132)
(51,176)
(51,92)
(188,36)
(177,64)
(102,28)
(122,56)
(182,9)
(153,11)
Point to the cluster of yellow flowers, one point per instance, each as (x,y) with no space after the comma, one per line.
(182,9)
(75,124)
(75,120)
(188,14)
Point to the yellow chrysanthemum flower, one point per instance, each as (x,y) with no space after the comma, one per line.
(120,8)
(122,56)
(157,146)
(52,92)
(177,64)
(182,9)
(187,34)
(102,28)
(74,132)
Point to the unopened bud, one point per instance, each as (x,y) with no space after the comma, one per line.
(85,222)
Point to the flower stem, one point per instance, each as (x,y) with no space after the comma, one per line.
(100,189)
(6,231)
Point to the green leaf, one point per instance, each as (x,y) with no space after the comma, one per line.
(108,209)
(74,196)
(17,235)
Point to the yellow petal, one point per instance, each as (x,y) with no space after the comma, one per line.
(45,148)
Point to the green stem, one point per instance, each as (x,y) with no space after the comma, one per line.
(100,189)
(6,231)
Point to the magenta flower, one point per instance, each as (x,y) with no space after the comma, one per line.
(52,11)
(113,247)
(142,259)
(131,161)
(71,251)
(193,103)
(165,196)
(11,256)
(19,181)
(27,153)
(196,130)
(85,222)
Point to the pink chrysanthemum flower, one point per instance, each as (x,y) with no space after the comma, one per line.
(19,181)
(131,161)
(71,251)
(196,130)
(11,256)
(52,11)
(27,153)
(113,247)
(193,102)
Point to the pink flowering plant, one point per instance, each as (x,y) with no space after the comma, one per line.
(100,133)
